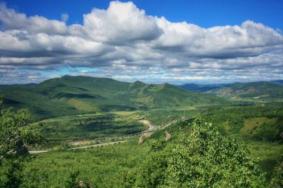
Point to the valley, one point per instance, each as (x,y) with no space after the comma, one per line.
(100,130)
(141,94)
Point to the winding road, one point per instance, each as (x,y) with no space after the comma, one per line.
(151,128)
(147,133)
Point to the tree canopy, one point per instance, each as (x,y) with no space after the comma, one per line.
(14,137)
(199,157)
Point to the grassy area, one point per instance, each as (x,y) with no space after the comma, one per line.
(87,110)
(107,166)
(267,154)
(162,117)
(100,126)
(253,123)
(103,167)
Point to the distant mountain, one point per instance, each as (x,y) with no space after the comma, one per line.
(201,88)
(277,82)
(80,94)
(263,91)
(255,91)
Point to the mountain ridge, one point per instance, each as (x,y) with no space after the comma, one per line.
(81,94)
(261,91)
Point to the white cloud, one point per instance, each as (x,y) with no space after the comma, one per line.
(10,19)
(120,23)
(10,41)
(124,40)
(249,39)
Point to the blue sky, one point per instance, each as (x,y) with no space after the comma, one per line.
(205,13)
(154,41)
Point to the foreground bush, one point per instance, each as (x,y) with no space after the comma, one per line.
(13,145)
(200,157)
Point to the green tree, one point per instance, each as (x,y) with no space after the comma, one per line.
(75,182)
(11,137)
(14,138)
(277,175)
(201,157)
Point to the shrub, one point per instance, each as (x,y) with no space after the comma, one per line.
(201,157)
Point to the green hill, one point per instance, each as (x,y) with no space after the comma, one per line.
(201,87)
(255,91)
(80,94)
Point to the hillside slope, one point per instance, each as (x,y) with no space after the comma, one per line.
(268,91)
(79,94)
(201,87)
(256,91)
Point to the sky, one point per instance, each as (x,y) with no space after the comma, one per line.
(180,41)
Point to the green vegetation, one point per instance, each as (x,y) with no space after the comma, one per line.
(263,92)
(253,92)
(75,95)
(237,143)
(101,167)
(198,157)
(223,159)
(96,127)
(13,142)
(263,128)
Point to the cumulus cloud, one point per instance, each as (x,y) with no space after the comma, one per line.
(120,23)
(248,39)
(124,42)
(10,19)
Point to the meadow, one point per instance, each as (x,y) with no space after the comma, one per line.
(97,128)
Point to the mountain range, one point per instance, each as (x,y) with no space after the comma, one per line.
(81,94)
(263,91)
